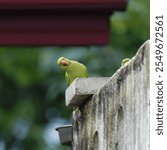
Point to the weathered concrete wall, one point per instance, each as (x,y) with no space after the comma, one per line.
(117,116)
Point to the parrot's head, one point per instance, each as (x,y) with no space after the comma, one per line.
(63,62)
(124,61)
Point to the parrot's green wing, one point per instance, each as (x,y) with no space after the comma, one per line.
(75,70)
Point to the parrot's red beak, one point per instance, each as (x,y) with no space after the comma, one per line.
(64,63)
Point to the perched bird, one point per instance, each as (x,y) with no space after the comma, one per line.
(125,60)
(73,69)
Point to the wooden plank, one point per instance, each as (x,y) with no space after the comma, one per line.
(15,3)
(56,22)
(62,30)
(64,5)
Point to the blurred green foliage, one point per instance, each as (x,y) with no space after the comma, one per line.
(32,86)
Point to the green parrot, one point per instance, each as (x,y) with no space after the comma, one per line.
(73,69)
(125,60)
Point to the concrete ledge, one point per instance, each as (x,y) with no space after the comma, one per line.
(117,116)
(83,88)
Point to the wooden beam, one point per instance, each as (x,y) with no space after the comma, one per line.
(55,22)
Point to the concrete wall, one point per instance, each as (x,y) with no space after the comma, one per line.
(116,117)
